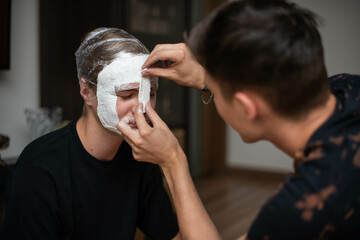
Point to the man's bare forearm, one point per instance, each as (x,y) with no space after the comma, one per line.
(194,221)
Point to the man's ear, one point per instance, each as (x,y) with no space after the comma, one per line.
(86,92)
(249,104)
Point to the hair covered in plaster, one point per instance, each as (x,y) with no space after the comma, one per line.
(100,47)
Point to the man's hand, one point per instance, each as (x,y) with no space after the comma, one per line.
(184,70)
(158,145)
(155,144)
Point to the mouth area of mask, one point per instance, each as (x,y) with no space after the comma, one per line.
(124,73)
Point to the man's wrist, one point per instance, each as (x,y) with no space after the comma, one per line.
(177,175)
(177,162)
(202,78)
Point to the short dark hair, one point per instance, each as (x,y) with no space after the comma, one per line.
(272,47)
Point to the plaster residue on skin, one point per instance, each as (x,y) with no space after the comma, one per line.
(125,69)
(128,120)
(314,201)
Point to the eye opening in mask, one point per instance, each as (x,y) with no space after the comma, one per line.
(135,86)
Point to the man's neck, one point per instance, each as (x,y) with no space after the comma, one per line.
(292,136)
(98,141)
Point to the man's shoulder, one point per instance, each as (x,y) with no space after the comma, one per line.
(342,125)
(324,190)
(305,204)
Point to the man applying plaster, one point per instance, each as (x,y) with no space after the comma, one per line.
(265,65)
(81,182)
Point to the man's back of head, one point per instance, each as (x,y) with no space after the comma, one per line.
(271,47)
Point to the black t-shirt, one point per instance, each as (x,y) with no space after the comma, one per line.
(59,191)
(322,200)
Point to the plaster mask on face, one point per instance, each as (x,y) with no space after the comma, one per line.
(120,74)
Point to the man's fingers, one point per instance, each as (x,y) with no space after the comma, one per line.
(153,116)
(162,54)
(167,73)
(141,122)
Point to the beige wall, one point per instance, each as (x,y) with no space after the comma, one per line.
(19,86)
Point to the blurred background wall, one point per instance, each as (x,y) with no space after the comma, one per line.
(20,85)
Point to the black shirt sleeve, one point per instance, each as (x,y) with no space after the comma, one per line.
(32,209)
(157,219)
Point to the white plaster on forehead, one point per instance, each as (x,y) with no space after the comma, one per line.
(127,63)
(125,69)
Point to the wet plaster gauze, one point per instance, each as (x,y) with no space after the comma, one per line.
(125,69)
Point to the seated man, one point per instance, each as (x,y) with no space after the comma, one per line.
(81,182)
